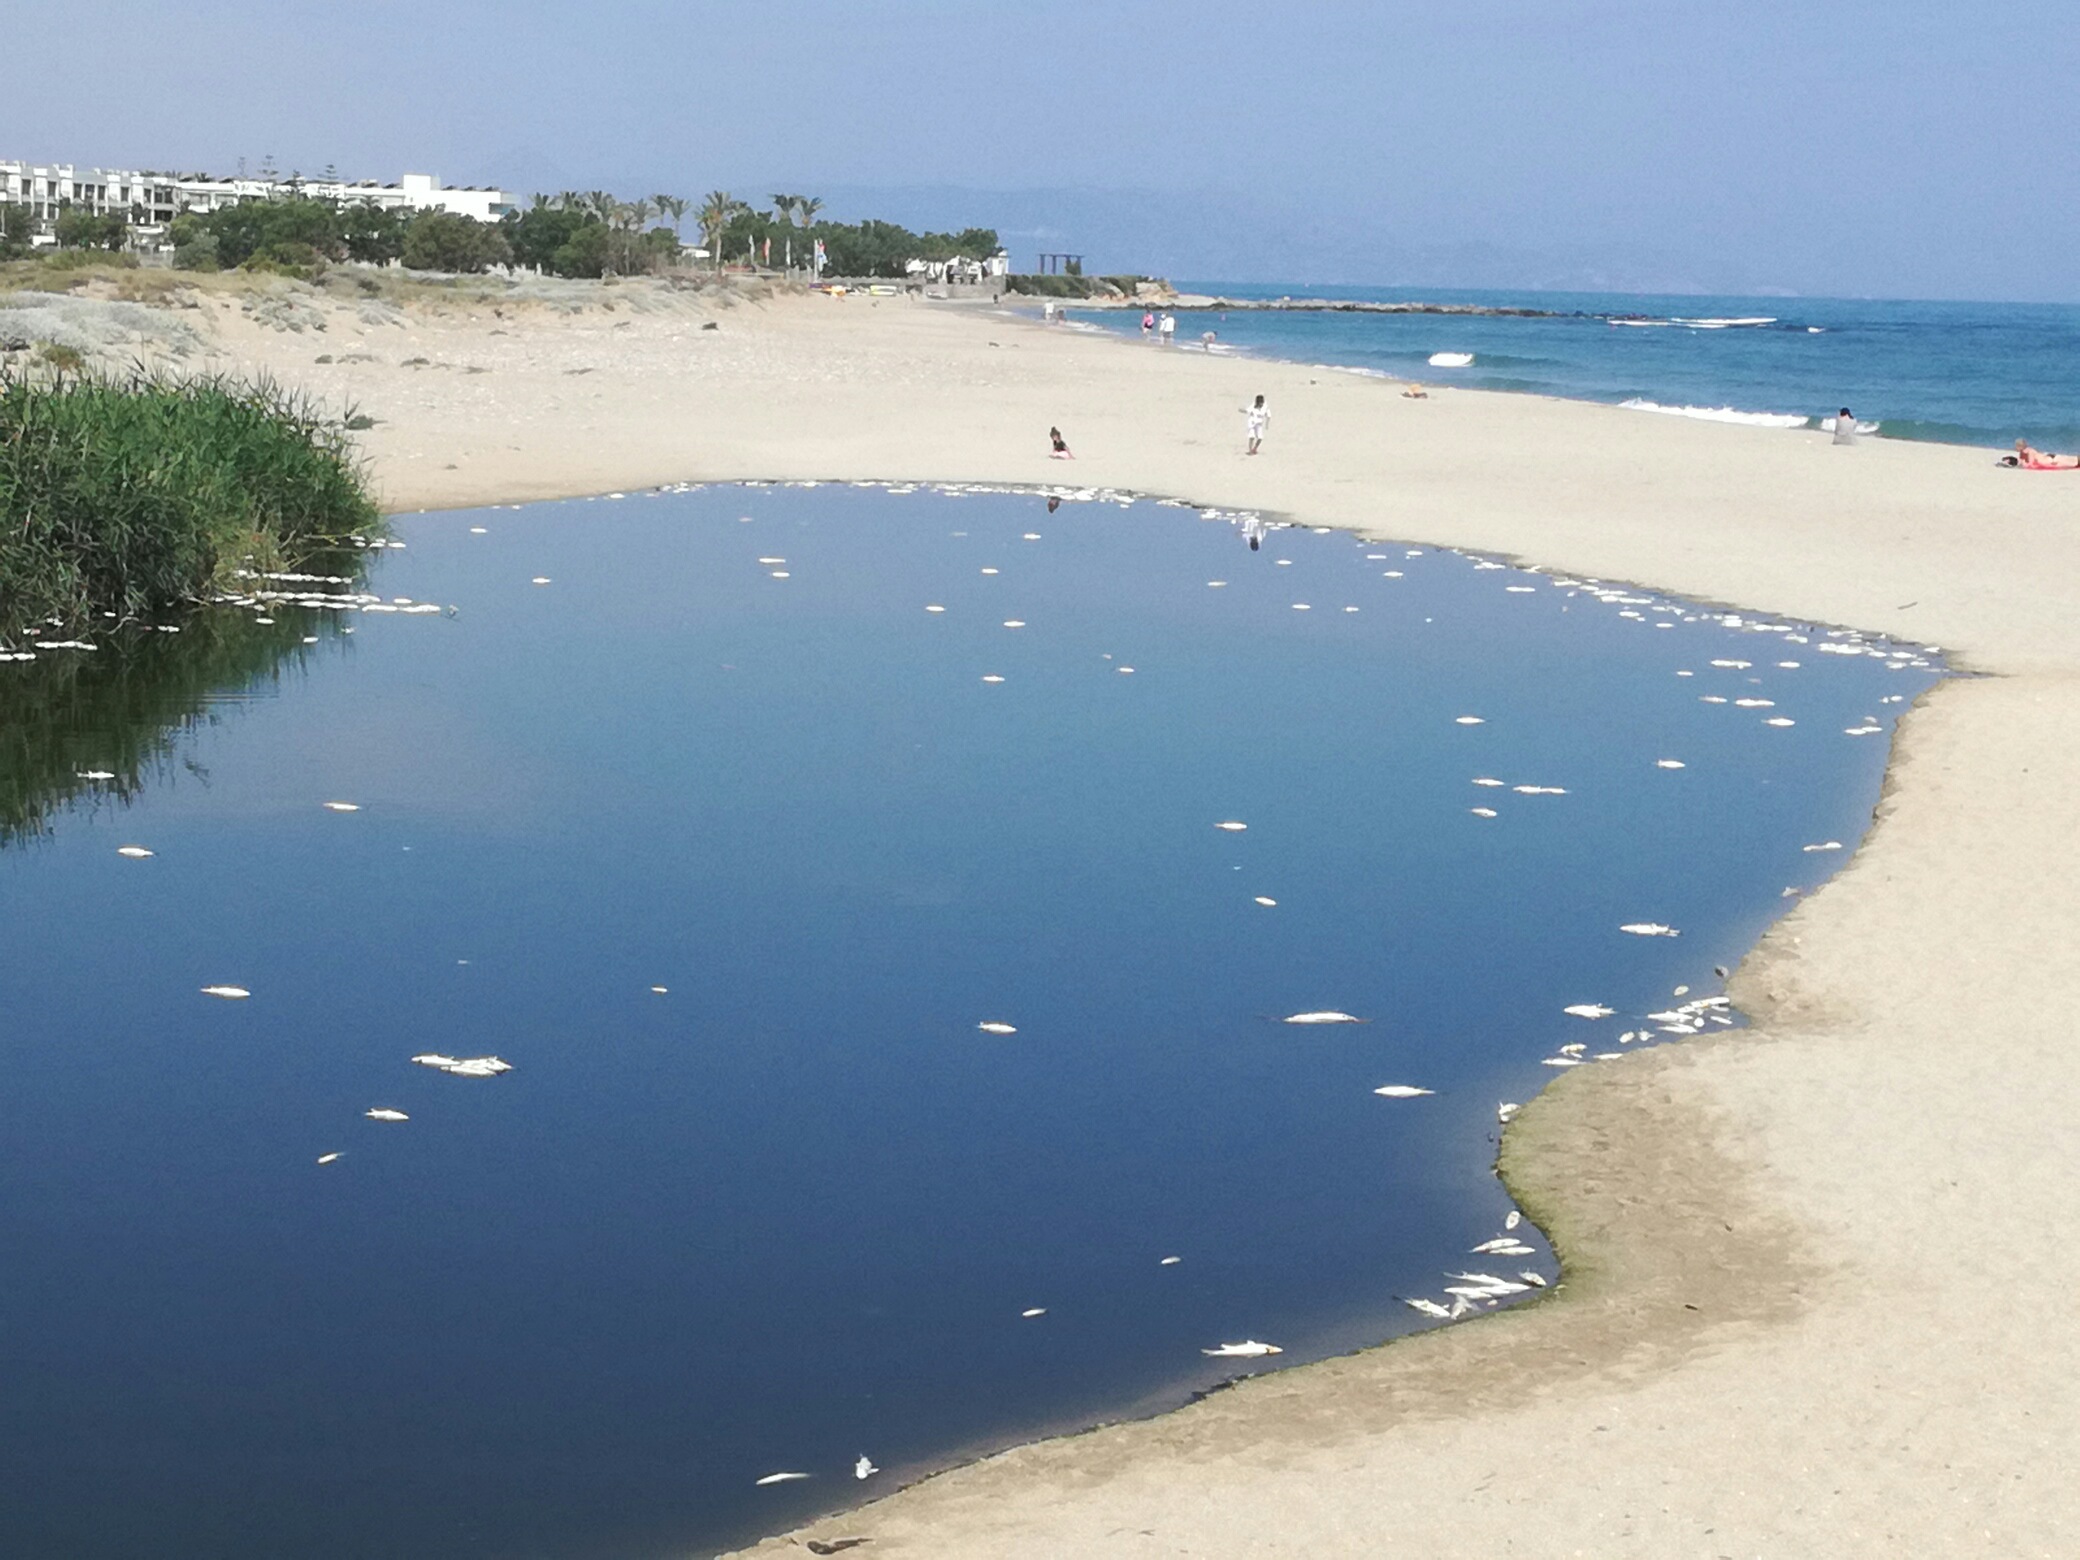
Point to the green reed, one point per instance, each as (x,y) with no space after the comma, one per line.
(132,497)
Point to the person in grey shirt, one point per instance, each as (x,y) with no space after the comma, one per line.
(1845,426)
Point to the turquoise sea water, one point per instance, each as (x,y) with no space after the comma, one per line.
(794,1207)
(1960,373)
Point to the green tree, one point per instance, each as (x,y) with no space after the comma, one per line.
(17,223)
(674,207)
(251,226)
(372,234)
(84,230)
(805,208)
(448,241)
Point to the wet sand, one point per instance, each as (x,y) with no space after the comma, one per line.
(1816,1286)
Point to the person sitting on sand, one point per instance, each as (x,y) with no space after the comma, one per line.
(2030,458)
(1061,445)
(1845,426)
(1415,392)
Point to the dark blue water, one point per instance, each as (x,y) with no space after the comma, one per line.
(791,1209)
(1960,373)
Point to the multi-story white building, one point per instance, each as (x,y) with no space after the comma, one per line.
(152,200)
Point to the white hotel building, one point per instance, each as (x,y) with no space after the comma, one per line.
(153,200)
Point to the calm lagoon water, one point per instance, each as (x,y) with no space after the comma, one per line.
(791,1209)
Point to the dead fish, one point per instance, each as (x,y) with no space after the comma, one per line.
(1506,1112)
(1469,720)
(864,1468)
(1170,1262)
(1402,1091)
(342,807)
(1649,929)
(995,1027)
(1428,1308)
(1038,1310)
(1484,812)
(1533,1279)
(1267,903)
(1589,1010)
(326,1159)
(384,1113)
(228,993)
(1668,763)
(1232,826)
(1248,1349)
(1515,1218)
(134,852)
(1499,1243)
(1825,845)
(1327,1016)
(1486,780)
(781,1478)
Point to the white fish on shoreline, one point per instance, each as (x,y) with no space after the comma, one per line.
(1506,1112)
(1248,1349)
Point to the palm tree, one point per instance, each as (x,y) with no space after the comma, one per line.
(719,210)
(806,207)
(671,206)
(783,207)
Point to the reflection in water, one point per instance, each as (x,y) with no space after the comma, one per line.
(71,717)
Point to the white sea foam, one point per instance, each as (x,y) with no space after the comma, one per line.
(1722,414)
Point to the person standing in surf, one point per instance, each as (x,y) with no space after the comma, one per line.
(1259,416)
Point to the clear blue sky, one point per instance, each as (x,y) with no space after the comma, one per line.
(1864,147)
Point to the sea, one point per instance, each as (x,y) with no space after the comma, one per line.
(1952,373)
(637,1022)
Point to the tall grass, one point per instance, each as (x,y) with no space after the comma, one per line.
(134,496)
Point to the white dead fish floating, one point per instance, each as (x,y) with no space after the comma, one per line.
(1824,845)
(1326,1016)
(997,1027)
(1248,1349)
(1779,720)
(1033,1311)
(1499,1243)
(1506,1112)
(1668,763)
(1402,1091)
(1649,929)
(1484,812)
(384,1113)
(935,608)
(228,993)
(1515,1218)
(342,807)
(1536,1281)
(1469,720)
(1428,1308)
(1488,780)
(1267,903)
(1170,1262)
(1588,1010)
(96,774)
(541,579)
(466,1066)
(1231,826)
(134,852)
(326,1159)
(864,1468)
(780,1478)
(992,677)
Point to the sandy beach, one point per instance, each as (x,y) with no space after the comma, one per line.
(1815,1294)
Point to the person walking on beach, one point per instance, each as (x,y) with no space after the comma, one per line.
(1148,323)
(1168,329)
(1061,445)
(1259,416)
(1845,426)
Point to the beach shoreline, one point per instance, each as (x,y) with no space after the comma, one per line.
(1775,1333)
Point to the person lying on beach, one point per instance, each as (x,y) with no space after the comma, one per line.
(1415,392)
(1061,445)
(2032,459)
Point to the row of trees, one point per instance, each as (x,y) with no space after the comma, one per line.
(580,234)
